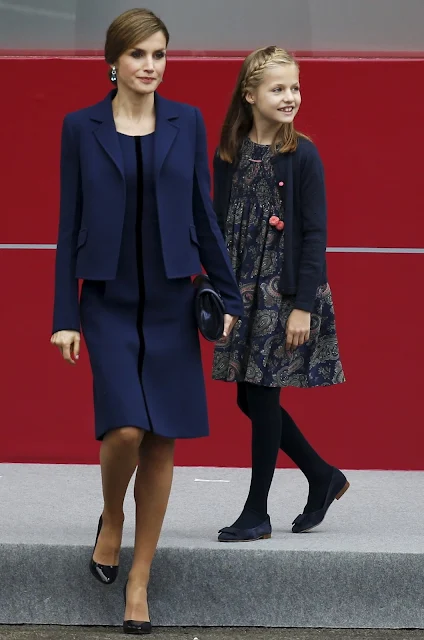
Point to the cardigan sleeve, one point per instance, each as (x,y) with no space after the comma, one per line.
(313,208)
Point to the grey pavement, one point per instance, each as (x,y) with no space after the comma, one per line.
(214,633)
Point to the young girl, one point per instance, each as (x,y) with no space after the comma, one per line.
(271,207)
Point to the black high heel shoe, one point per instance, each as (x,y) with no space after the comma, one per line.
(106,574)
(134,626)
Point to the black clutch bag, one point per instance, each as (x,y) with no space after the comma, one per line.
(209,309)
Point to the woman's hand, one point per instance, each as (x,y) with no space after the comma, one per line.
(68,343)
(229,322)
(298,329)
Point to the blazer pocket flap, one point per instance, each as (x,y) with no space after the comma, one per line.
(193,234)
(82,238)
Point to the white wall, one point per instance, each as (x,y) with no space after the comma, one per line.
(314,25)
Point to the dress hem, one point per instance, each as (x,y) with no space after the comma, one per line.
(284,386)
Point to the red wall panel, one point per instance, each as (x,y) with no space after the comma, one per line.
(372,153)
(370,143)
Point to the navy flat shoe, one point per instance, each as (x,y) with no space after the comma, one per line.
(136,627)
(234,534)
(307,521)
(103,573)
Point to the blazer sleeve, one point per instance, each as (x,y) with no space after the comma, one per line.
(66,303)
(218,190)
(313,208)
(212,250)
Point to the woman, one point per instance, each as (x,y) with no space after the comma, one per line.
(271,206)
(136,222)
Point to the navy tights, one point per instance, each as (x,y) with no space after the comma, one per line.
(274,429)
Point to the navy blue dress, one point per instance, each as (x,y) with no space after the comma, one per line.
(140,328)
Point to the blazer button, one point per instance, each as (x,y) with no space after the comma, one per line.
(281,184)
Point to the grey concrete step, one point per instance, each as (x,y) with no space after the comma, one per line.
(362,568)
(239,633)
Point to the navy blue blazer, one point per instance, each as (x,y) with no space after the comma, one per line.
(300,180)
(92,204)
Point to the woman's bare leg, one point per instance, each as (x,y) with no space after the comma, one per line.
(118,459)
(151,493)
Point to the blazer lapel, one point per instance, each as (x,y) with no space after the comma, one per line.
(106,132)
(166,131)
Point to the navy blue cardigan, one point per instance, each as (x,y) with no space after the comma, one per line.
(300,179)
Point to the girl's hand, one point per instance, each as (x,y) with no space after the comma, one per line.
(68,343)
(298,329)
(229,322)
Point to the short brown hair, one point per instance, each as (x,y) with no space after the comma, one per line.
(130,28)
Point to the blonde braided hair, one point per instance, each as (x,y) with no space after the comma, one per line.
(239,118)
(260,60)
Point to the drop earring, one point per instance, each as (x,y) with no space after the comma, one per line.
(113,74)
